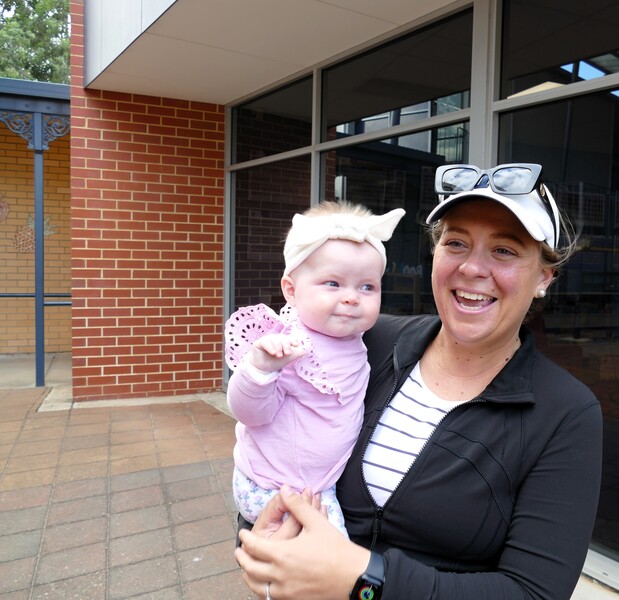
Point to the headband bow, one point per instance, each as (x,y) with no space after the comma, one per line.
(307,234)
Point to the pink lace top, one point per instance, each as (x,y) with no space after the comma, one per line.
(298,425)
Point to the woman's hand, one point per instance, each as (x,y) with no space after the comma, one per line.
(272,521)
(319,563)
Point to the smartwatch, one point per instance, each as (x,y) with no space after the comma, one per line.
(370,585)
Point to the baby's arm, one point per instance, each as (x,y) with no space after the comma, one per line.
(272,352)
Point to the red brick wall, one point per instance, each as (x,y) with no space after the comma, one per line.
(147,241)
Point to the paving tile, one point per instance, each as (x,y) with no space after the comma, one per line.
(88,429)
(197,508)
(205,561)
(182,456)
(131,425)
(84,456)
(218,444)
(180,445)
(227,585)
(190,471)
(133,464)
(37,435)
(72,490)
(139,547)
(71,563)
(30,463)
(86,441)
(141,578)
(72,535)
(77,510)
(191,488)
(132,481)
(230,503)
(174,593)
(127,414)
(9,425)
(130,437)
(41,447)
(138,521)
(5,450)
(222,465)
(204,532)
(26,519)
(187,430)
(138,498)
(17,574)
(21,595)
(87,471)
(25,498)
(19,545)
(8,437)
(27,479)
(45,421)
(92,415)
(135,449)
(85,587)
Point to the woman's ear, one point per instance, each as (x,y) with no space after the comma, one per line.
(546,278)
(287,284)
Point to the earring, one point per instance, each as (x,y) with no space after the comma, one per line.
(540,293)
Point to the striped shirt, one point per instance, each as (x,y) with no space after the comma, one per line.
(402,431)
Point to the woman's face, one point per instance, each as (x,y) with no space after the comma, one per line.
(486,271)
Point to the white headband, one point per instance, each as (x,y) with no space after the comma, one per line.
(307,234)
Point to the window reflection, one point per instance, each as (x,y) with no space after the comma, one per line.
(266,199)
(547,45)
(425,73)
(273,123)
(577,142)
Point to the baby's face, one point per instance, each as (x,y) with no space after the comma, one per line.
(337,289)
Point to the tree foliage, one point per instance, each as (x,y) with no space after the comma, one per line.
(34,40)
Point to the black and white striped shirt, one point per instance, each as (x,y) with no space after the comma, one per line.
(403,429)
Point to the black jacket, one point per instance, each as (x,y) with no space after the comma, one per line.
(501,501)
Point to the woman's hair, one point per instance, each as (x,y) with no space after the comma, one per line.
(329,207)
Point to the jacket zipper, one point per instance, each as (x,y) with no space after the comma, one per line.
(379,510)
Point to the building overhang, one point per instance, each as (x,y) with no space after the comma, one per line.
(219,52)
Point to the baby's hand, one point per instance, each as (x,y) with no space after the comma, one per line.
(274,351)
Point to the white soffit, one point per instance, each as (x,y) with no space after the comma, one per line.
(221,50)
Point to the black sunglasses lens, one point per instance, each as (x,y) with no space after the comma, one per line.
(513,180)
(459,179)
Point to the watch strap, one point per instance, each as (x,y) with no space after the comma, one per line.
(375,571)
(369,586)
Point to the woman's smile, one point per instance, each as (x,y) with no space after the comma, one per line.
(473,301)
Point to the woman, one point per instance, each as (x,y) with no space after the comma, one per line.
(476,474)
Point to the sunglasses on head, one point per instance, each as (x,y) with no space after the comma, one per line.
(504,179)
(508,180)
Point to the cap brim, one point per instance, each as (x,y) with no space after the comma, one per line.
(525,207)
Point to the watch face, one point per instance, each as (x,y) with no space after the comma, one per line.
(366,591)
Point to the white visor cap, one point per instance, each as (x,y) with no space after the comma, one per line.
(528,208)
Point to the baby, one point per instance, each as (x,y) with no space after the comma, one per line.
(300,377)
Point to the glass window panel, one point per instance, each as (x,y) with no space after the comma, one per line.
(427,72)
(577,142)
(266,199)
(550,44)
(273,123)
(384,176)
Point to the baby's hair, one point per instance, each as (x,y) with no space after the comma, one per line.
(329,207)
